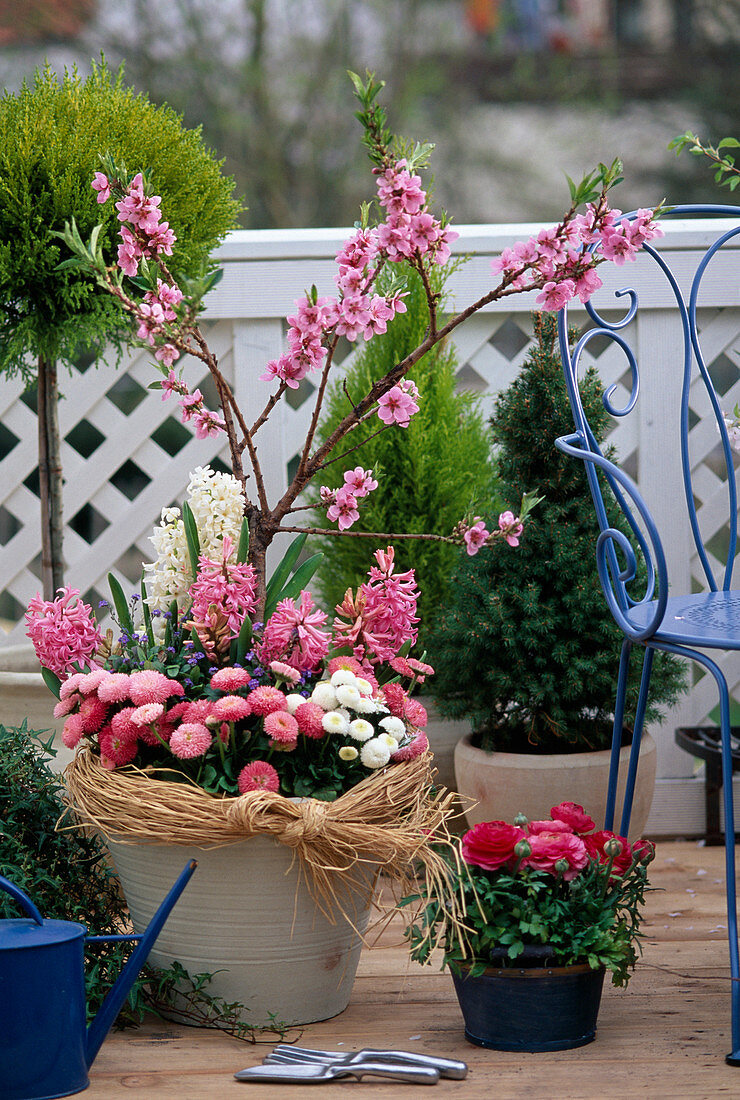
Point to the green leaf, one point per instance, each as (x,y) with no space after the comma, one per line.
(729,143)
(285,567)
(120,604)
(146,612)
(245,637)
(242,550)
(51,680)
(297,582)
(191,537)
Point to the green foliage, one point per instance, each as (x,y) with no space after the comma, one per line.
(527,648)
(67,874)
(429,474)
(52,136)
(726,172)
(594,918)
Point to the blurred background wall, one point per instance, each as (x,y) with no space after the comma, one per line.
(514,92)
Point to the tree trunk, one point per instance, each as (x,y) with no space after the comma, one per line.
(50,479)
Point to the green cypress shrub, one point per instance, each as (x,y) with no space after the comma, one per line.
(429,475)
(527,648)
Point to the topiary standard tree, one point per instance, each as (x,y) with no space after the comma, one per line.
(431,472)
(51,139)
(527,648)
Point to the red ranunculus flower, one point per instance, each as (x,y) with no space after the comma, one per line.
(490,844)
(549,848)
(574,815)
(643,850)
(595,846)
(558,826)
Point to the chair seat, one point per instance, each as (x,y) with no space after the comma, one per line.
(706,620)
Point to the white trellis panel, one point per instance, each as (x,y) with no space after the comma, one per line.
(125,454)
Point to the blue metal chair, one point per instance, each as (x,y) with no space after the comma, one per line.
(655,616)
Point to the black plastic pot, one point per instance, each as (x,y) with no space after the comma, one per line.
(530,1008)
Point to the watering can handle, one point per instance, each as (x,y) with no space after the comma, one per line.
(24,901)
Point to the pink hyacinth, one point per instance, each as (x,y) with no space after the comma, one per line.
(229,585)
(190,739)
(293,634)
(63,631)
(258,776)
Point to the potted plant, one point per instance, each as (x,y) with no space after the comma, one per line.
(229,714)
(527,648)
(547,908)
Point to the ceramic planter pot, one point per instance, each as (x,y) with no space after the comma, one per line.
(443,734)
(248,915)
(530,1009)
(503,784)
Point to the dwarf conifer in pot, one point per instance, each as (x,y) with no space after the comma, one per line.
(527,648)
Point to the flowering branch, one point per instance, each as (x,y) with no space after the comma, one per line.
(560,263)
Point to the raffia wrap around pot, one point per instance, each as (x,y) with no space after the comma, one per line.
(282,894)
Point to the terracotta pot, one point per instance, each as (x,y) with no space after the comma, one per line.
(248,916)
(24,695)
(503,784)
(530,1009)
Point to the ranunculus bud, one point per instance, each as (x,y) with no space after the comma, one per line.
(561,866)
(522,849)
(643,850)
(613,848)
(521,820)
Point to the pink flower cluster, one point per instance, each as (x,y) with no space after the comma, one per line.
(561,263)
(227,585)
(382,616)
(565,845)
(63,631)
(409,228)
(342,503)
(148,237)
(154,312)
(477,535)
(293,634)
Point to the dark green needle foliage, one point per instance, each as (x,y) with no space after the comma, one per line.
(527,648)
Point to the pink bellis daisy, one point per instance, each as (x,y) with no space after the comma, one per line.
(258,776)
(190,739)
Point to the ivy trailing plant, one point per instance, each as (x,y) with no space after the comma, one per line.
(67,875)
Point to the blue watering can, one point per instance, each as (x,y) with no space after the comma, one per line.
(45,1049)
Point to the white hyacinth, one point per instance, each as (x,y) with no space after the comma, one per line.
(375,753)
(217,503)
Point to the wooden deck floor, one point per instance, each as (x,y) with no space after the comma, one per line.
(666,1035)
